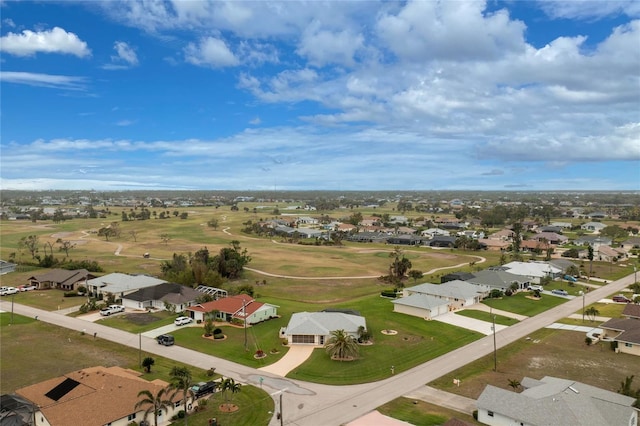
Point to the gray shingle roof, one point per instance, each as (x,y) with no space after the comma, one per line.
(169,292)
(323,323)
(421,301)
(453,289)
(554,401)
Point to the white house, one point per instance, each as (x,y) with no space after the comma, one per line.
(421,305)
(241,307)
(314,328)
(535,271)
(594,227)
(176,296)
(457,293)
(120,284)
(554,401)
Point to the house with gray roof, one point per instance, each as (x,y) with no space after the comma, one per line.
(535,271)
(63,279)
(457,293)
(120,284)
(6,267)
(497,278)
(631,243)
(315,328)
(174,296)
(593,240)
(421,305)
(555,401)
(593,226)
(625,331)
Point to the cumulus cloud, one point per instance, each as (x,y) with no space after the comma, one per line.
(124,58)
(561,9)
(212,52)
(321,46)
(56,40)
(44,80)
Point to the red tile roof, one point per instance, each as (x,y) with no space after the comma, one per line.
(230,305)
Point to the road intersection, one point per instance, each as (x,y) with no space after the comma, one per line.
(312,404)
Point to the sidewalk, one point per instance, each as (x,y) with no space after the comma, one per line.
(480,326)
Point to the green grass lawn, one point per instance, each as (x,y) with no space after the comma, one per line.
(139,322)
(486,316)
(33,351)
(421,413)
(48,300)
(519,304)
(611,310)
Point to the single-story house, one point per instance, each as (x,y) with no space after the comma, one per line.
(551,237)
(593,240)
(533,270)
(631,243)
(554,401)
(307,220)
(498,278)
(16,410)
(502,235)
(432,232)
(609,254)
(625,331)
(593,226)
(405,239)
(441,241)
(550,228)
(421,305)
(120,284)
(494,244)
(161,296)
(240,307)
(368,237)
(562,225)
(315,328)
(458,293)
(95,396)
(63,279)
(452,276)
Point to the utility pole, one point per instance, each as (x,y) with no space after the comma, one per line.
(140,349)
(279,414)
(12,296)
(583,294)
(495,353)
(244,316)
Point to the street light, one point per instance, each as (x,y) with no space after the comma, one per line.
(244,316)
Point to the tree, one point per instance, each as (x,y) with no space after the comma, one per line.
(213,223)
(592,313)
(65,246)
(184,215)
(147,363)
(106,232)
(517,240)
(615,232)
(181,380)
(415,274)
(134,235)
(341,345)
(229,386)
(514,383)
(31,243)
(165,238)
(590,257)
(625,389)
(399,266)
(160,401)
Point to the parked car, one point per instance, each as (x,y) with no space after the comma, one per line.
(165,339)
(203,388)
(111,309)
(570,278)
(621,299)
(182,320)
(535,287)
(26,287)
(5,291)
(560,292)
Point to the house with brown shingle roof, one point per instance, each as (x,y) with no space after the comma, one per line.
(241,307)
(94,396)
(63,279)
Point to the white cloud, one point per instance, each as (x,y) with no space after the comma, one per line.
(322,47)
(57,40)
(8,22)
(124,123)
(44,80)
(210,51)
(255,121)
(562,9)
(125,57)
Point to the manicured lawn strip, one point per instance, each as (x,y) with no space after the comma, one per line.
(421,413)
(519,304)
(57,351)
(261,336)
(417,341)
(486,316)
(152,320)
(611,310)
(256,408)
(575,321)
(48,300)
(548,352)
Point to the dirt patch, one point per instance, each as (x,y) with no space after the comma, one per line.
(142,318)
(228,408)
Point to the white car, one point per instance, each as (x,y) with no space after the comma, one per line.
(27,287)
(111,309)
(4,291)
(183,320)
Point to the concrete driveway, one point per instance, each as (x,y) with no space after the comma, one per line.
(296,355)
(483,327)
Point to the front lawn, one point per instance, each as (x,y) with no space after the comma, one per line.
(520,304)
(421,413)
(48,300)
(486,316)
(139,322)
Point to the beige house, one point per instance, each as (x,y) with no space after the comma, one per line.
(625,331)
(95,396)
(421,305)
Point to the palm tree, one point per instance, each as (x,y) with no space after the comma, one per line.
(592,313)
(229,385)
(156,403)
(181,380)
(514,383)
(147,363)
(341,345)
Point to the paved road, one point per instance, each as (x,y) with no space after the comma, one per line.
(310,404)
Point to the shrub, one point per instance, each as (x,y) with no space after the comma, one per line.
(218,336)
(588,340)
(217,331)
(475,414)
(70,294)
(496,294)
(211,372)
(388,293)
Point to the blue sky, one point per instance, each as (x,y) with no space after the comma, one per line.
(341,95)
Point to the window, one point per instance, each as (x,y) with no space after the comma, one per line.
(628,345)
(490,413)
(131,416)
(177,404)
